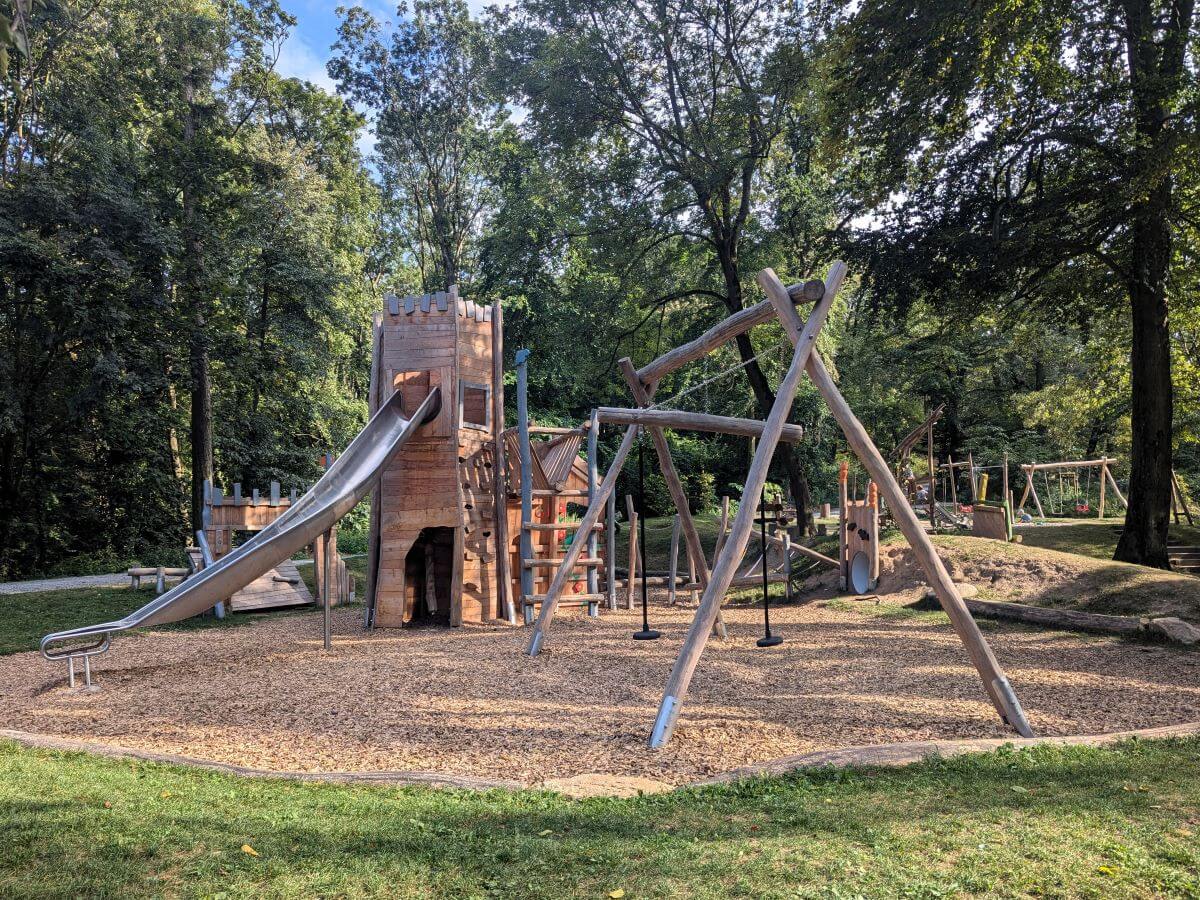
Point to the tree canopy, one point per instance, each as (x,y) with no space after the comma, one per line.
(192,245)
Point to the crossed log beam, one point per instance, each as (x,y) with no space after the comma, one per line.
(643,382)
(780,303)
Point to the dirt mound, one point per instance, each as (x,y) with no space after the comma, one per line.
(1019,574)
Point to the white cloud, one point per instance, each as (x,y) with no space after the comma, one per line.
(298,60)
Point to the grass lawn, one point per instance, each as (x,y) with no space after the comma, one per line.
(1069,823)
(26,618)
(1096,538)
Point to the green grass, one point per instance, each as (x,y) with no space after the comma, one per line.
(1096,538)
(26,618)
(1061,822)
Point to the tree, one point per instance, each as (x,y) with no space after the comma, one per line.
(677,104)
(1000,145)
(428,92)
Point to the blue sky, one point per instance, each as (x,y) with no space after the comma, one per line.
(307,49)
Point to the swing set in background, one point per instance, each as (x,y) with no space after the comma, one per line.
(643,382)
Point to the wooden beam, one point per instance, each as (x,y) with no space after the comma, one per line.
(995,682)
(1112,482)
(735,547)
(575,550)
(725,330)
(610,548)
(674,560)
(1069,464)
(1103,485)
(690,421)
(593,539)
(1182,499)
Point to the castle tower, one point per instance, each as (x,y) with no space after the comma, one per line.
(434,517)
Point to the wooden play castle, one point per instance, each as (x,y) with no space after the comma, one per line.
(438,552)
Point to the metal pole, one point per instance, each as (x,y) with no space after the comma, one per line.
(325,590)
(522,361)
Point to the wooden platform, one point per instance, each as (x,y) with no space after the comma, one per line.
(272,590)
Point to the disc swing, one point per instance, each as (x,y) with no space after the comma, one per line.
(768,639)
(647,633)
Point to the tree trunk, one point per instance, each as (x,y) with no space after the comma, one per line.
(1144,540)
(194,296)
(1156,69)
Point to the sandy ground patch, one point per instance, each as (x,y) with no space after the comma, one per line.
(468,701)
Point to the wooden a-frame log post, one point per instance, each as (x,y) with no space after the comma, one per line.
(673,564)
(734,548)
(1103,485)
(590,518)
(1112,482)
(1030,487)
(995,682)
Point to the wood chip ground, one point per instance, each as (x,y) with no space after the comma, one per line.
(468,702)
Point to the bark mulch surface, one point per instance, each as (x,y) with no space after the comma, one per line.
(467,701)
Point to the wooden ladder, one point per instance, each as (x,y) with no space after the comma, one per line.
(550,494)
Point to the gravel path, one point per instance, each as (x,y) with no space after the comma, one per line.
(60,584)
(467,702)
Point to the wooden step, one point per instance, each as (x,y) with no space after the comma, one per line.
(565,600)
(555,563)
(543,492)
(558,526)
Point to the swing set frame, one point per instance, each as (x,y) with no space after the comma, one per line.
(1106,478)
(780,306)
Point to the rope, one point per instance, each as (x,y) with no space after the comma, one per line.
(721,374)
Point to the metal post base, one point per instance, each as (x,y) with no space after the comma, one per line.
(1014,715)
(87,672)
(664,722)
(535,643)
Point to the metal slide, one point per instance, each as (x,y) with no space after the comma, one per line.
(344,483)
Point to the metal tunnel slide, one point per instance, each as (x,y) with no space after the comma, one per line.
(344,483)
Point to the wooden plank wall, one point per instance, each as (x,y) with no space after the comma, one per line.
(443,477)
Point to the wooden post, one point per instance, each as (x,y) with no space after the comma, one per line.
(843,502)
(632,517)
(722,528)
(1112,483)
(735,547)
(971,476)
(932,476)
(590,518)
(593,539)
(674,567)
(526,451)
(1182,499)
(504,588)
(1030,487)
(1004,496)
(1103,484)
(995,682)
(610,548)
(953,486)
(692,595)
